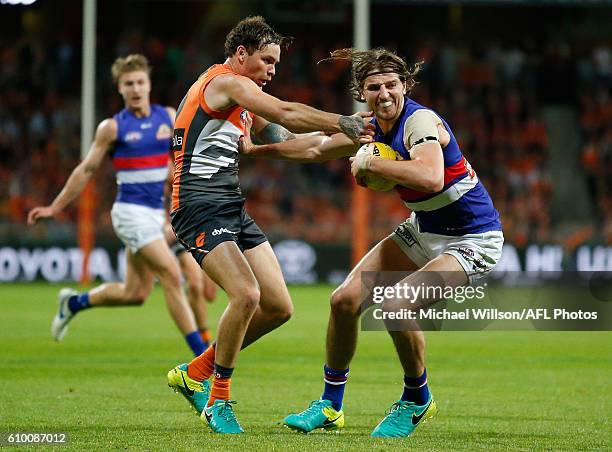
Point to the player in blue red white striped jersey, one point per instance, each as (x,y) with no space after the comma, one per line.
(453,236)
(137,139)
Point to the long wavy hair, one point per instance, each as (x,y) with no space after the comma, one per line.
(375,61)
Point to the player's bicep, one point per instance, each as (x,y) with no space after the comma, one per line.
(430,155)
(106,135)
(246,93)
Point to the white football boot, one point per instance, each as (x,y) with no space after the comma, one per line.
(59,325)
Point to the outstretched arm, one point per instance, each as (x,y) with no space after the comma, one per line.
(226,90)
(314,148)
(106,134)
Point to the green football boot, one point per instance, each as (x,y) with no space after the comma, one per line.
(403,417)
(221,418)
(320,414)
(195,392)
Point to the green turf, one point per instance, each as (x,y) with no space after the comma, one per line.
(106,383)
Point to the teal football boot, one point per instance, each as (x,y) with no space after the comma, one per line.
(320,414)
(221,418)
(195,392)
(403,417)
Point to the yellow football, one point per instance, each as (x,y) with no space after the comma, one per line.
(374,181)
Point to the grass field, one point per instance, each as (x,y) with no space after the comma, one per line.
(106,383)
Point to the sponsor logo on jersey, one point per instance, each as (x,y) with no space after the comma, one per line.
(177,140)
(146,125)
(222,231)
(466,252)
(164,132)
(133,136)
(478,264)
(405,235)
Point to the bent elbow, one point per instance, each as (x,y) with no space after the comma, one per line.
(434,185)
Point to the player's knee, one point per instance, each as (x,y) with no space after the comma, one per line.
(283,314)
(135,297)
(287,313)
(170,276)
(248,298)
(345,302)
(210,293)
(195,287)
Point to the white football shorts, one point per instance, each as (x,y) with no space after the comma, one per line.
(136,225)
(477,253)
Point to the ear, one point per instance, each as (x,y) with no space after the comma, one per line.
(241,51)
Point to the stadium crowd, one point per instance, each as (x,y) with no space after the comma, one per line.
(492,96)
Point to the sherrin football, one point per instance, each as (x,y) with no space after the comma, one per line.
(374,181)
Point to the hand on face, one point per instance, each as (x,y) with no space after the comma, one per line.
(384,93)
(358,127)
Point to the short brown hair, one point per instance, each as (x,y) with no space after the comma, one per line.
(131,63)
(375,61)
(254,34)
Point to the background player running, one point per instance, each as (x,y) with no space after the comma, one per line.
(208,213)
(137,140)
(454,229)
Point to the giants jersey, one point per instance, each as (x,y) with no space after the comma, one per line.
(205,146)
(463,206)
(140,156)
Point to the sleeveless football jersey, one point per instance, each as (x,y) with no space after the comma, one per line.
(463,206)
(205,146)
(141,156)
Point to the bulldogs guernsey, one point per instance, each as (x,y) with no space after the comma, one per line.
(463,206)
(140,157)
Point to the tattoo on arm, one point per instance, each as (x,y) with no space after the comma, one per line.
(273,133)
(352,126)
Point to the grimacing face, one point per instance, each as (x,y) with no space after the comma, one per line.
(384,94)
(135,87)
(260,66)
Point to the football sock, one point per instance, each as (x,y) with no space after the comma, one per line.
(221,384)
(416,389)
(206,337)
(335,381)
(194,340)
(79,302)
(202,367)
